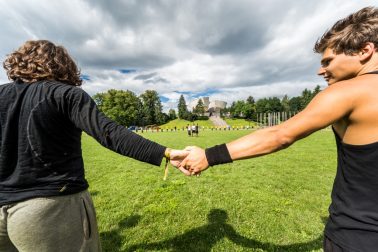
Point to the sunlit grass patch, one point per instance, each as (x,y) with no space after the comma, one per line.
(272,203)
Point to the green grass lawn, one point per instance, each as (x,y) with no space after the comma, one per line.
(272,203)
(180,123)
(239,122)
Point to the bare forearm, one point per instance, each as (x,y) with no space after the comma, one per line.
(259,143)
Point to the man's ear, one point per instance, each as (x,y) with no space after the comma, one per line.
(366,52)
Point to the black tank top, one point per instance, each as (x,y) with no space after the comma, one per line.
(353,221)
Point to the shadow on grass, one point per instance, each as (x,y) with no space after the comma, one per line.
(94,193)
(203,238)
(112,240)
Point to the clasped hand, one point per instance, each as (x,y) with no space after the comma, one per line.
(190,161)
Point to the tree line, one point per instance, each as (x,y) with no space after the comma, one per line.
(198,112)
(126,108)
(249,109)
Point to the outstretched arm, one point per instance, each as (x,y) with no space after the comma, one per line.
(80,108)
(327,107)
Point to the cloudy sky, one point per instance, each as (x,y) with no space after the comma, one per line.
(225,49)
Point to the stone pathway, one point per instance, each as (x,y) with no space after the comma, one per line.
(217,121)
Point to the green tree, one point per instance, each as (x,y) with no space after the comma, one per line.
(237,109)
(249,110)
(306,98)
(268,105)
(200,108)
(275,104)
(181,107)
(141,117)
(250,100)
(285,103)
(262,105)
(190,116)
(152,107)
(316,91)
(172,114)
(165,118)
(295,104)
(119,105)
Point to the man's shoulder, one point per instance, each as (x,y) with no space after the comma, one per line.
(353,91)
(361,79)
(352,86)
(360,84)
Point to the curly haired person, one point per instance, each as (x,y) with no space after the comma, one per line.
(44,202)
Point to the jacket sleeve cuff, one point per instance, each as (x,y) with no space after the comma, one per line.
(157,155)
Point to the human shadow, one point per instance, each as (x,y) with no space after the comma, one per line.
(94,193)
(112,240)
(203,238)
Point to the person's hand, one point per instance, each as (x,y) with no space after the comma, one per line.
(196,161)
(176,157)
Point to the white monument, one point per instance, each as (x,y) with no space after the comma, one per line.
(212,108)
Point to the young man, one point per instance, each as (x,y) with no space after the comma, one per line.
(350,104)
(44,202)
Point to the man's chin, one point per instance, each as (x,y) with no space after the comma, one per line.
(330,81)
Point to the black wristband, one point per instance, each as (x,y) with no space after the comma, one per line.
(218,154)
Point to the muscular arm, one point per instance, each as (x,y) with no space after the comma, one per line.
(329,106)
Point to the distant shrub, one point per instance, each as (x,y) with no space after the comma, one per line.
(203,118)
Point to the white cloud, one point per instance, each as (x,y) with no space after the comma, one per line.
(238,47)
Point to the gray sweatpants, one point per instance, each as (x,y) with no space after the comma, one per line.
(62,223)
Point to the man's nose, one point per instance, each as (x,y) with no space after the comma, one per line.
(321,71)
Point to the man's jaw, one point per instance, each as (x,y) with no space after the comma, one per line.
(328,79)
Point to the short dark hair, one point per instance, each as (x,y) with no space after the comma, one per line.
(38,60)
(350,34)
